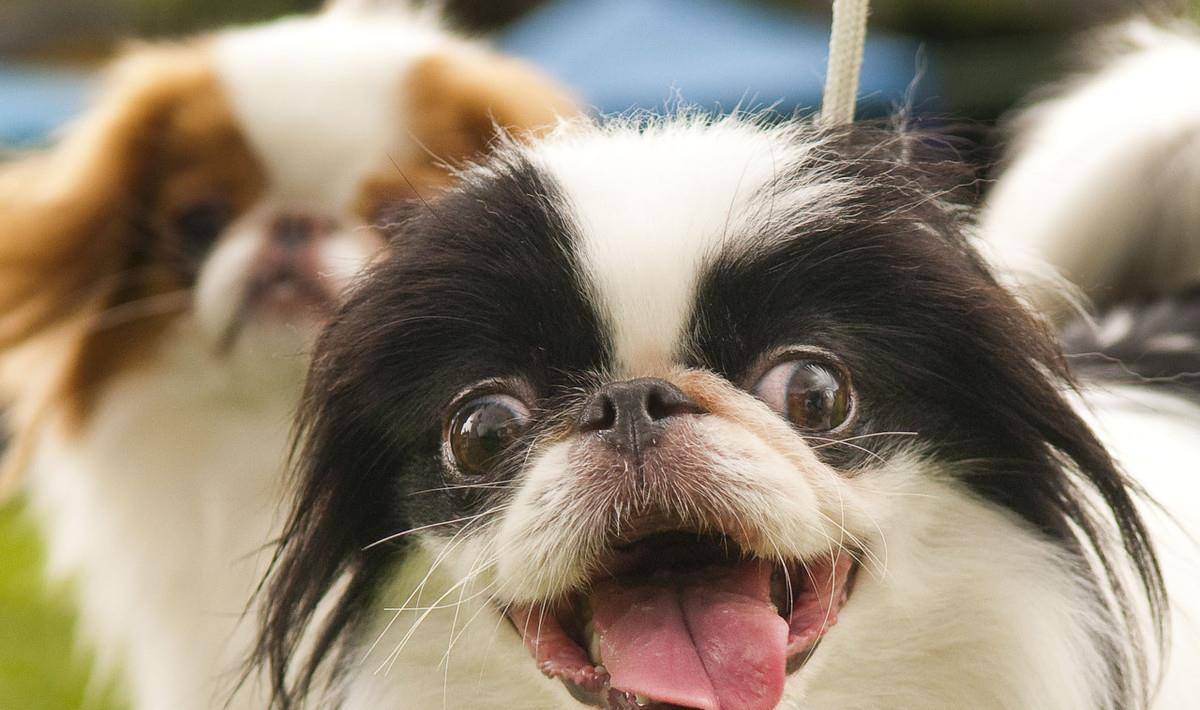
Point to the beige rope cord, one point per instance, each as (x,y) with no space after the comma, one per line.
(846,40)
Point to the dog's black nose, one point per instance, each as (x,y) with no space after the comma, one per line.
(630,415)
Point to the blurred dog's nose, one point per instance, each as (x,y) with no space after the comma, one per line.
(629,415)
(294,230)
(291,243)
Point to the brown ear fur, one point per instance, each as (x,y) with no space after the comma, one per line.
(458,97)
(65,215)
(454,101)
(69,220)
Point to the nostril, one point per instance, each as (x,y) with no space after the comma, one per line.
(664,402)
(599,414)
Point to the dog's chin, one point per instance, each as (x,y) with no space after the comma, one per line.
(273,320)
(683,619)
(255,356)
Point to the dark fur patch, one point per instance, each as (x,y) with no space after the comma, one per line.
(1154,342)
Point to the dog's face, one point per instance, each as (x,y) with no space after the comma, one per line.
(675,403)
(222,192)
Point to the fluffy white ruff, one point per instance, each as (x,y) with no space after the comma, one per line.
(1103,178)
(1156,439)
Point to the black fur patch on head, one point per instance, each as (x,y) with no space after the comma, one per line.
(484,284)
(1153,342)
(481,285)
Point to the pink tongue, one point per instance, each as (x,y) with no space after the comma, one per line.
(711,641)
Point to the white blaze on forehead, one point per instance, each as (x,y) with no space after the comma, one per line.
(652,209)
(319,98)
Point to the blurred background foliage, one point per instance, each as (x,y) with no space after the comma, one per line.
(42,667)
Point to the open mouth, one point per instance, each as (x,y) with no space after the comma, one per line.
(680,620)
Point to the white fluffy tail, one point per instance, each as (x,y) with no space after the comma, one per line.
(1103,181)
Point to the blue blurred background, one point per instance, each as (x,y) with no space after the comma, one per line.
(962,58)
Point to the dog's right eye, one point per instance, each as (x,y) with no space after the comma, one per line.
(199,224)
(484,428)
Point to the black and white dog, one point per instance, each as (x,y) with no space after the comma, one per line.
(718,415)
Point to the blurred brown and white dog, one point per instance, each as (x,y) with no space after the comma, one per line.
(164,268)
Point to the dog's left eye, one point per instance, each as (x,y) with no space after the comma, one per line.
(811,390)
(482,429)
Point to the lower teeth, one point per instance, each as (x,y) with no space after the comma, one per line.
(593,648)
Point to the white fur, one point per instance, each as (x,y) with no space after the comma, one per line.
(159,512)
(1103,182)
(321,99)
(786,503)
(1156,438)
(220,289)
(1102,188)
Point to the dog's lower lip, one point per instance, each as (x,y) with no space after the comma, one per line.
(568,646)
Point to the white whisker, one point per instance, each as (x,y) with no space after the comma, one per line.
(430,526)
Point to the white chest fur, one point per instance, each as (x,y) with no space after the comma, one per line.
(159,510)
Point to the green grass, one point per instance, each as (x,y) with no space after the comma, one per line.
(41,666)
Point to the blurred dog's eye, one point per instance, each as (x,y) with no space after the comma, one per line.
(483,428)
(199,224)
(812,392)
